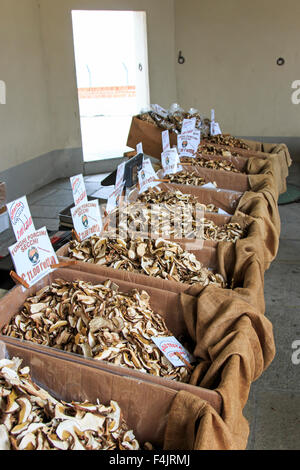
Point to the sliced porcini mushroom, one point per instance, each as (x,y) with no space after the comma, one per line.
(28,442)
(98,323)
(69,428)
(36,308)
(4,438)
(12,404)
(25,410)
(57,443)
(57,325)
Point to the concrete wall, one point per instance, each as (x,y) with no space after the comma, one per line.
(24,119)
(231,48)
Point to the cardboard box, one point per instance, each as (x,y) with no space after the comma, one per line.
(145,406)
(163,302)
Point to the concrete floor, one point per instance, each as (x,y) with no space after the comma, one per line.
(273,408)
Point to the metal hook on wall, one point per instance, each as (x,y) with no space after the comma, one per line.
(181,59)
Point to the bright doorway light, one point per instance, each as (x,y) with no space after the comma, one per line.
(112,78)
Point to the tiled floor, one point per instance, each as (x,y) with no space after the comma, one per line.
(273,408)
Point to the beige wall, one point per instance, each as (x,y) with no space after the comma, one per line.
(231,48)
(56,25)
(24,125)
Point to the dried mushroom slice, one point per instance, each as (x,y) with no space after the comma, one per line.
(49,424)
(228,140)
(117,327)
(153,257)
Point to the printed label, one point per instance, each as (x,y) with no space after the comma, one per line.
(215,128)
(170,161)
(87,219)
(147,176)
(187,145)
(32,256)
(169,346)
(188,125)
(78,188)
(20,217)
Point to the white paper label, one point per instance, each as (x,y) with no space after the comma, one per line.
(197,135)
(78,188)
(215,128)
(87,219)
(33,255)
(170,161)
(188,125)
(20,217)
(139,148)
(212,115)
(113,199)
(169,346)
(159,110)
(165,140)
(147,176)
(187,145)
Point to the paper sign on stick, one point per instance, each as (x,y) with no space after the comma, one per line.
(170,346)
(78,188)
(20,217)
(32,256)
(87,219)
(147,176)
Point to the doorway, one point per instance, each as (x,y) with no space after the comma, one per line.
(111,61)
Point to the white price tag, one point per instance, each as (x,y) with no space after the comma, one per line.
(170,161)
(139,148)
(78,188)
(187,145)
(87,219)
(147,176)
(20,217)
(188,125)
(113,199)
(215,128)
(32,256)
(212,115)
(165,140)
(170,346)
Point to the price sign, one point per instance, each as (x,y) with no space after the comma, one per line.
(20,217)
(33,255)
(139,148)
(147,176)
(170,347)
(78,188)
(170,161)
(165,140)
(87,219)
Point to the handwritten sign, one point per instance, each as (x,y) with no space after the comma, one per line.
(78,188)
(20,217)
(147,176)
(170,347)
(32,256)
(87,219)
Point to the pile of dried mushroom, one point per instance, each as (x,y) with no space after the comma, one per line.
(99,322)
(184,177)
(158,258)
(220,164)
(228,140)
(31,419)
(172,199)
